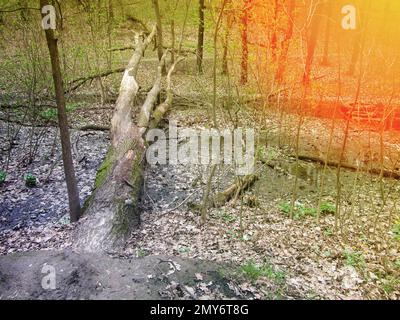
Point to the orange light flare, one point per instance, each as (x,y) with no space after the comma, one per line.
(332,53)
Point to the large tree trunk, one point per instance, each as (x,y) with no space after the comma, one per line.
(112,210)
(72,187)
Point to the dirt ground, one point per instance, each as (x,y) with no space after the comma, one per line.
(108,278)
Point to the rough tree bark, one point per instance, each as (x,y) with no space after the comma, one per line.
(72,187)
(112,210)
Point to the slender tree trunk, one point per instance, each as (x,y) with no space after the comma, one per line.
(173,41)
(73,194)
(356,53)
(110,21)
(213,168)
(312,43)
(274,37)
(286,43)
(329,7)
(245,42)
(160,49)
(358,40)
(228,27)
(200,39)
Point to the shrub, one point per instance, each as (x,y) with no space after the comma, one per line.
(354,259)
(254,272)
(3,176)
(300,210)
(30,180)
(327,208)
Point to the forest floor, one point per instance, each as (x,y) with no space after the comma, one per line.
(251,244)
(105,277)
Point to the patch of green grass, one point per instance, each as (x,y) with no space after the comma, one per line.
(396,230)
(3,177)
(267,154)
(328,232)
(354,259)
(285,207)
(390,284)
(232,234)
(300,211)
(326,254)
(397,263)
(30,180)
(140,253)
(73,106)
(51,113)
(328,208)
(253,272)
(226,216)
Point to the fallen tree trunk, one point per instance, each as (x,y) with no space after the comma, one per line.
(112,210)
(235,189)
(391,174)
(93,127)
(182,51)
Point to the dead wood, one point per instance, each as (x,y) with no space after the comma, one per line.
(238,187)
(112,210)
(375,171)
(77,83)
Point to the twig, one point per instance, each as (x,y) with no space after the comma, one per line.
(181,204)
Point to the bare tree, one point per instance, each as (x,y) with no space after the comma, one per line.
(329,7)
(274,37)
(200,39)
(286,43)
(245,42)
(73,194)
(160,49)
(312,42)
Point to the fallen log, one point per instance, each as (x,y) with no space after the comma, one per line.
(374,171)
(93,127)
(235,189)
(182,51)
(112,210)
